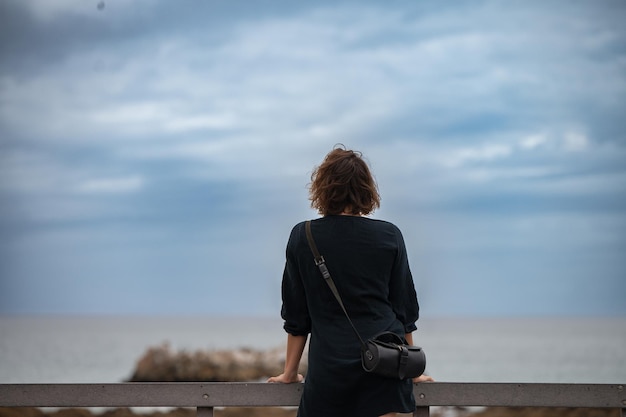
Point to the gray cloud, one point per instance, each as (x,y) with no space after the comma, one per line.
(150,144)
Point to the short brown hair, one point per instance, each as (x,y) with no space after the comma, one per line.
(343,182)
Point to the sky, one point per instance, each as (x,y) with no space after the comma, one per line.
(154,155)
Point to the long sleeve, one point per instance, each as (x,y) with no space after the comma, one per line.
(294,310)
(402,293)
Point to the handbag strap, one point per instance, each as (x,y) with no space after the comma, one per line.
(321,264)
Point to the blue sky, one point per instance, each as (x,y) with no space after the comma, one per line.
(154,155)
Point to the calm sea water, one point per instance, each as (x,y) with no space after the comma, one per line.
(105,349)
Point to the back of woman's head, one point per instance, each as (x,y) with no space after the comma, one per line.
(343,183)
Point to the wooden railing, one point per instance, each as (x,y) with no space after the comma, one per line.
(205,397)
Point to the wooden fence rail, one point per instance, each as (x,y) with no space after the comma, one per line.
(206,396)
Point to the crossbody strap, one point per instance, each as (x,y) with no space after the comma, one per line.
(321,264)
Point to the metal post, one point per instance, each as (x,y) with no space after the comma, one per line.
(204,412)
(421,412)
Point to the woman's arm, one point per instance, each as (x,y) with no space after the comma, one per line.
(295,347)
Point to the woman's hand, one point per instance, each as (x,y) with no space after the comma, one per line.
(295,347)
(423,378)
(286,379)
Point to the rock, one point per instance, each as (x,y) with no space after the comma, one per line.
(161,364)
(291,412)
(546,412)
(21,412)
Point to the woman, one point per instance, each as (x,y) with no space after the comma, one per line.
(368,262)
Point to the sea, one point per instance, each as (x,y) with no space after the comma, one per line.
(105,349)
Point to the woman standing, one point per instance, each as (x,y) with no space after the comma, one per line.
(368,261)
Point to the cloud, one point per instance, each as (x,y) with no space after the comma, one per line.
(488,130)
(533,141)
(575,141)
(481,153)
(51,10)
(111,185)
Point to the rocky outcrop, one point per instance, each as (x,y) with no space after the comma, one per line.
(546,412)
(162,364)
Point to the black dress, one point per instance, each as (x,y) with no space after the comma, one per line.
(368,261)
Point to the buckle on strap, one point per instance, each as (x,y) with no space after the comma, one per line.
(404,360)
(321,264)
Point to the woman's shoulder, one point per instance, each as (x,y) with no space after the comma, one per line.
(383,224)
(367,222)
(298,231)
(385,230)
(298,228)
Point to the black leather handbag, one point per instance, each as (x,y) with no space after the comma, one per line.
(386,354)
